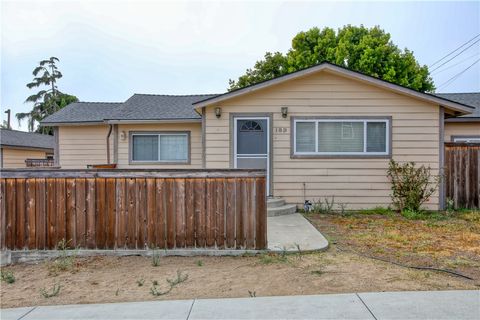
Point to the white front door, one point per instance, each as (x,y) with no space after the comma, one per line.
(252,144)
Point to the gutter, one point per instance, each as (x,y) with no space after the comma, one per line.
(108,144)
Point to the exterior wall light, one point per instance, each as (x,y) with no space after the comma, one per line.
(218,112)
(123,135)
(284,112)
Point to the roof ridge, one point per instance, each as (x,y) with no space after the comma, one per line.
(176,95)
(98,102)
(458,92)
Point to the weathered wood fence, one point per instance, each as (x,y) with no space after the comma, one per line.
(462,174)
(133,209)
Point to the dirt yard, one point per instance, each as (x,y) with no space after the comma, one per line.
(451,243)
(454,244)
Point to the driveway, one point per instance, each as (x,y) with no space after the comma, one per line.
(457,305)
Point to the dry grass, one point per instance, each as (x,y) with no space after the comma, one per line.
(452,243)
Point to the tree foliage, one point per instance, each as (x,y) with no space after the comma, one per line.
(49,99)
(367,50)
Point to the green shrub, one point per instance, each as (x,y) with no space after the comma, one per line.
(7,276)
(412,186)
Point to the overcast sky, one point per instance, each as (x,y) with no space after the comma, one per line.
(112,49)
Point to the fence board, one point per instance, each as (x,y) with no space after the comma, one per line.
(30,201)
(180,224)
(210,212)
(132,211)
(462,174)
(249,226)
(111,219)
(151,216)
(80,201)
(51,213)
(21,212)
(40,210)
(3,215)
(160,215)
(220,213)
(121,213)
(230,213)
(239,212)
(190,212)
(11,210)
(141,207)
(170,212)
(91,214)
(200,217)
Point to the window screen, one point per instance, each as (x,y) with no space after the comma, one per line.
(145,147)
(160,147)
(336,137)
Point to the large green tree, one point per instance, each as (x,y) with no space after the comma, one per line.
(49,99)
(368,50)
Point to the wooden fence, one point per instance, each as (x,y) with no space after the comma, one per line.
(133,209)
(462,174)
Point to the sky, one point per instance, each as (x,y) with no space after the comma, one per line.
(109,50)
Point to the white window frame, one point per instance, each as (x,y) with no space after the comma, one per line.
(133,134)
(363,153)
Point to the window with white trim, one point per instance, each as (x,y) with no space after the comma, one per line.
(341,137)
(159,147)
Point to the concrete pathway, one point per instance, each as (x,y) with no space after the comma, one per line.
(287,231)
(458,305)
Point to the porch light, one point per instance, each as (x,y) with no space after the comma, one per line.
(284,112)
(218,112)
(123,135)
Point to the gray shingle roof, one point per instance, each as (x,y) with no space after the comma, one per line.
(83,112)
(159,107)
(470,99)
(137,107)
(23,139)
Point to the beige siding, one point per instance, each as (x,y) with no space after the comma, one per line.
(15,158)
(80,146)
(461,129)
(195,130)
(359,183)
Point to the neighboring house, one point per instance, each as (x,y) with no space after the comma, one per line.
(464,128)
(20,149)
(321,132)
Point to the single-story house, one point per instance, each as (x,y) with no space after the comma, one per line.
(19,149)
(464,128)
(321,132)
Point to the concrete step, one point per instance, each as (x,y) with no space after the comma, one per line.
(275,202)
(280,211)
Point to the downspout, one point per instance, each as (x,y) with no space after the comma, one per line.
(108,144)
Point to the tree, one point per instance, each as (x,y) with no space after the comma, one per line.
(369,51)
(46,101)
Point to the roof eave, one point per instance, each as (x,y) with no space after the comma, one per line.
(343,71)
(463,119)
(136,121)
(71,123)
(12,146)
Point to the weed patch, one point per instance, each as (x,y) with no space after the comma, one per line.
(52,293)
(65,261)
(7,276)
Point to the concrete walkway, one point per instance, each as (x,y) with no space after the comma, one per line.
(291,230)
(456,305)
